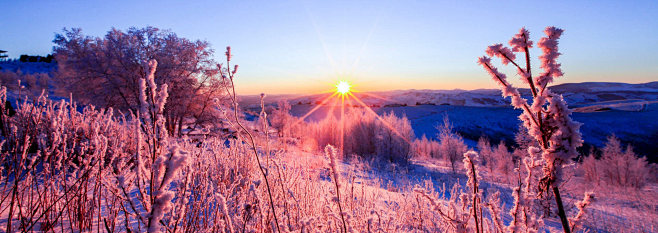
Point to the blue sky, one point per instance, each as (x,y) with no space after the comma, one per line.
(306,46)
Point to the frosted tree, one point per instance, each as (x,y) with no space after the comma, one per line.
(393,138)
(451,145)
(617,167)
(105,71)
(547,119)
(281,118)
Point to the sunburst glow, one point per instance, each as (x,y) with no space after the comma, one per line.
(343,87)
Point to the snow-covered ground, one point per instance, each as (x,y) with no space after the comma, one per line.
(614,209)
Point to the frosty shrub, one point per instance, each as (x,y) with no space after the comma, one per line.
(451,145)
(52,158)
(617,167)
(547,119)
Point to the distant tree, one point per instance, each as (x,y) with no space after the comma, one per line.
(105,71)
(523,139)
(394,136)
(617,167)
(425,148)
(281,118)
(28,58)
(486,154)
(451,144)
(503,159)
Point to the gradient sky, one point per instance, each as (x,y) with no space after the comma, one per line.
(306,46)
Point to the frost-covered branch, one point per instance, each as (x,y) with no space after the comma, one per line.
(548,119)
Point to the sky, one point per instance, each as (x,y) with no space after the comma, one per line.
(305,47)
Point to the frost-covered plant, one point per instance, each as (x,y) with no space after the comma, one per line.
(581,205)
(157,162)
(451,217)
(470,160)
(330,151)
(547,119)
(228,75)
(52,160)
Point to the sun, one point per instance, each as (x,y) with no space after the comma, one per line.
(343,87)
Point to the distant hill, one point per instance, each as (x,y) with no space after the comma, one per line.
(578,95)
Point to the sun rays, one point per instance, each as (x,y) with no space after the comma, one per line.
(344,96)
